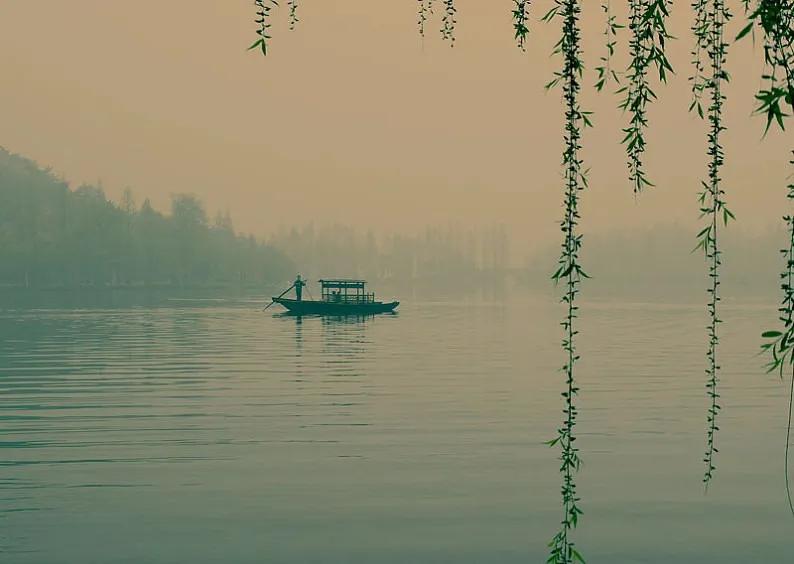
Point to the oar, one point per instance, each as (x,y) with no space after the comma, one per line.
(282,294)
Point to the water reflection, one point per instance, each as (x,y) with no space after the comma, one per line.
(213,432)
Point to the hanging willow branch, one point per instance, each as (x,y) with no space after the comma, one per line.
(262,20)
(649,35)
(449,22)
(647,23)
(520,22)
(775,18)
(425,10)
(780,342)
(709,27)
(605,71)
(293,14)
(700,30)
(569,271)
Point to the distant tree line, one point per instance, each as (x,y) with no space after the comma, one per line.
(657,263)
(53,236)
(448,254)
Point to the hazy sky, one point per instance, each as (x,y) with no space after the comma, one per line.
(352,119)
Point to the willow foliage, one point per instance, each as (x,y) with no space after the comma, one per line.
(709,77)
(648,27)
(521,22)
(648,32)
(262,21)
(293,14)
(779,343)
(605,71)
(449,22)
(425,11)
(569,271)
(775,19)
(776,101)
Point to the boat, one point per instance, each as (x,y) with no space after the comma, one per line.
(337,297)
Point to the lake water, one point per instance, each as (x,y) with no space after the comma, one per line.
(202,431)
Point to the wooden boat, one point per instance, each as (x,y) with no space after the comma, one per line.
(338,297)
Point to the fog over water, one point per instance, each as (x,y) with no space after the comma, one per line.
(354,120)
(159,184)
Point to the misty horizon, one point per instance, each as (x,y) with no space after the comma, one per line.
(654,262)
(391,138)
(432,281)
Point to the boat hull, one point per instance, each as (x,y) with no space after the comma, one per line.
(314,307)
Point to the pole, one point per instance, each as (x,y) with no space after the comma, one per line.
(282,294)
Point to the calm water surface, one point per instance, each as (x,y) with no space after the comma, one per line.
(206,431)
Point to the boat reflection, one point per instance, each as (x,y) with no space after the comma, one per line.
(299,317)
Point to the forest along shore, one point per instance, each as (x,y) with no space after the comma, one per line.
(54,237)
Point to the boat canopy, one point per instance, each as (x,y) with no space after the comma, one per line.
(342,290)
(341,284)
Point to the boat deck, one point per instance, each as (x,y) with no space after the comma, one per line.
(349,306)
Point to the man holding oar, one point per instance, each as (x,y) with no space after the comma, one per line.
(298,285)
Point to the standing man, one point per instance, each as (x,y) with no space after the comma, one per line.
(299,284)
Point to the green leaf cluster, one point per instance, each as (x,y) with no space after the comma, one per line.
(425,11)
(648,28)
(262,20)
(604,70)
(449,22)
(775,19)
(520,15)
